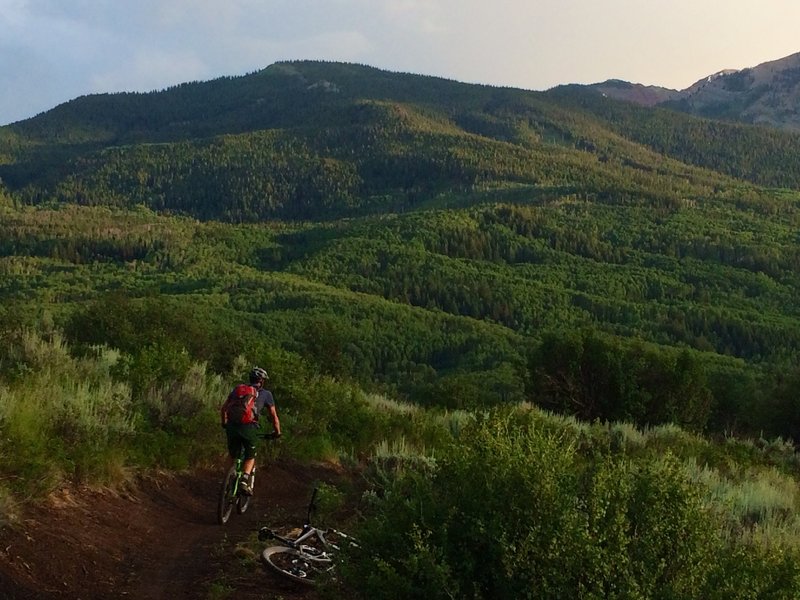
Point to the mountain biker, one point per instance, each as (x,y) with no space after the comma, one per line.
(245,435)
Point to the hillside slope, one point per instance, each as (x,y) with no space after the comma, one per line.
(763,156)
(307,140)
(415,234)
(767,94)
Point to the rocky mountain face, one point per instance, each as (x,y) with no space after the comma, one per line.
(767,94)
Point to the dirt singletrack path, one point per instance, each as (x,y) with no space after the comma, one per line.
(159,539)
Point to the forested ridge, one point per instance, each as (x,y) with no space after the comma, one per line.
(300,140)
(763,155)
(454,248)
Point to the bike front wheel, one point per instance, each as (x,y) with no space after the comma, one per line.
(227,497)
(296,565)
(242,502)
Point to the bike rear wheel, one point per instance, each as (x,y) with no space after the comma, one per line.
(227,497)
(295,565)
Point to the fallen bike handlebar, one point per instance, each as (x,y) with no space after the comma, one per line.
(270,534)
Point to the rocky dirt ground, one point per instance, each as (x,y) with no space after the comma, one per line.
(158,539)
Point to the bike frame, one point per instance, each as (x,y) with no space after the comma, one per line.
(312,551)
(231,495)
(308,532)
(238,464)
(308,557)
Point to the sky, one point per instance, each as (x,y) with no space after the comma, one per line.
(52,51)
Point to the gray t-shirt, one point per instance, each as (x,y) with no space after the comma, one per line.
(264,400)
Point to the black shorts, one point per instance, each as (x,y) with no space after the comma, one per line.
(242,437)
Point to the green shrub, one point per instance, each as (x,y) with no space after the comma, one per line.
(68,418)
(513,511)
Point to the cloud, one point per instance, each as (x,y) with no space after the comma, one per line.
(150,69)
(344,46)
(423,16)
(42,54)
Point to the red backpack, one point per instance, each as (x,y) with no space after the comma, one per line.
(241,405)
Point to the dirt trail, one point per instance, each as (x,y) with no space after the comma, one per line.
(159,540)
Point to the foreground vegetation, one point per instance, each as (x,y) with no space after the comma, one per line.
(525,506)
(512,502)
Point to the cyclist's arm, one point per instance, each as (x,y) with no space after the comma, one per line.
(268,408)
(223,412)
(276,422)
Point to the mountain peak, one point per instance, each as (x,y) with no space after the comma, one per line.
(767,94)
(646,95)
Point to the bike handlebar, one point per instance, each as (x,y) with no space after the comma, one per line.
(265,534)
(272,435)
(268,534)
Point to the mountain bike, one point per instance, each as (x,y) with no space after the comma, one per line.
(308,556)
(230,492)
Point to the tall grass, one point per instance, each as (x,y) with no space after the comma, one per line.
(379,402)
(67,418)
(758,504)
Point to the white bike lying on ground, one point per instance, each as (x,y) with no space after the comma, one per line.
(309,555)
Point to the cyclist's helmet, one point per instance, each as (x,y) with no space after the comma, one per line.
(258,374)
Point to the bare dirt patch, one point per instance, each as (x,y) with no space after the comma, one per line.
(158,540)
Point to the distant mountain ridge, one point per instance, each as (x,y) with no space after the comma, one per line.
(646,95)
(767,94)
(312,140)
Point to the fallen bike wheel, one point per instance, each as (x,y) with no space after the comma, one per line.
(295,565)
(227,497)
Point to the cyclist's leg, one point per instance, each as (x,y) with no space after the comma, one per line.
(250,438)
(235,444)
